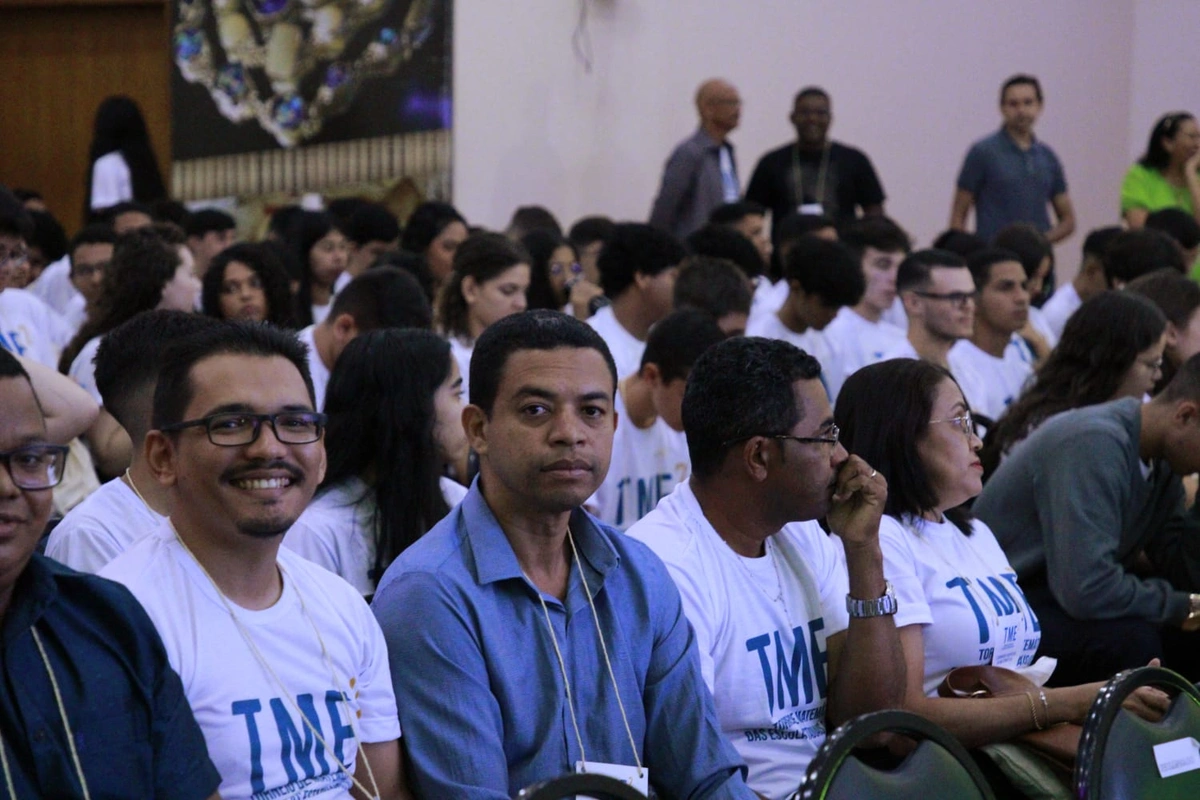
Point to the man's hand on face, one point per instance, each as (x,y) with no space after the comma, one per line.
(859,496)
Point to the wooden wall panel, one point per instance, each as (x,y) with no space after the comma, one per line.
(59,60)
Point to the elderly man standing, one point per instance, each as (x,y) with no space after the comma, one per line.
(701,174)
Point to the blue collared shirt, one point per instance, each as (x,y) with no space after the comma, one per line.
(479,687)
(1010,184)
(133,728)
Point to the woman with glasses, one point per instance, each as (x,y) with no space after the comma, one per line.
(1111,347)
(556,278)
(394,404)
(959,602)
(1166,176)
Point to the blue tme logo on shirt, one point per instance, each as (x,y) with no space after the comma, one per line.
(788,672)
(301,753)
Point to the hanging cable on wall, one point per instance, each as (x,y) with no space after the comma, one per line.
(581,39)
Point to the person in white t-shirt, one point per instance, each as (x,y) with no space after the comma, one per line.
(281,661)
(129,507)
(993,366)
(859,335)
(649,452)
(822,278)
(395,425)
(1087,283)
(489,281)
(960,604)
(1036,255)
(638,266)
(386,297)
(795,635)
(28,327)
(717,287)
(90,255)
(321,251)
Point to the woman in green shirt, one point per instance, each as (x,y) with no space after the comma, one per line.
(1166,176)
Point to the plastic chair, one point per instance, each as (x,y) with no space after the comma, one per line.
(600,787)
(938,768)
(1116,752)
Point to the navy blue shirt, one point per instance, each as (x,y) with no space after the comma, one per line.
(133,728)
(1010,184)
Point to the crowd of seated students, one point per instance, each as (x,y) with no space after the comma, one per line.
(596,524)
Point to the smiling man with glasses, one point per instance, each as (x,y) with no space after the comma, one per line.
(283,663)
(794,629)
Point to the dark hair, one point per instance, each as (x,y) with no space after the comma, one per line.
(48,236)
(980,263)
(591,229)
(527,219)
(119,127)
(677,340)
(1177,297)
(733,213)
(719,241)
(1021,80)
(25,195)
(1178,224)
(1097,241)
(425,223)
(541,244)
(539,329)
(343,210)
(1132,254)
(826,269)
(283,221)
(959,242)
(130,356)
(272,275)
(915,270)
(90,234)
(372,222)
(175,391)
(713,285)
(167,210)
(142,265)
(741,387)
(1028,243)
(415,265)
(883,411)
(15,219)
(110,214)
(1156,155)
(10,367)
(382,419)
(789,230)
(1099,344)
(383,297)
(877,232)
(308,228)
(635,247)
(1186,383)
(208,220)
(482,256)
(810,91)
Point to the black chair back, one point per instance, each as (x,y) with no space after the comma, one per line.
(1116,751)
(938,768)
(590,784)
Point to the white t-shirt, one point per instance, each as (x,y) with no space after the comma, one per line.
(963,593)
(856,342)
(54,288)
(1058,309)
(337,530)
(761,625)
(112,182)
(30,328)
(626,348)
(83,368)
(991,384)
(647,464)
(256,737)
(768,297)
(1037,318)
(319,313)
(316,367)
(75,314)
(462,354)
(101,528)
(811,341)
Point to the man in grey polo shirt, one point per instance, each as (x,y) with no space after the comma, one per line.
(1011,176)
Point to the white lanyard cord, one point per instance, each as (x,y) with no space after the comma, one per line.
(62,713)
(374,795)
(562,665)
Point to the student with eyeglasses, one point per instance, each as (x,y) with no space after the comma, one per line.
(1168,173)
(556,278)
(938,293)
(960,604)
(272,650)
(793,626)
(89,703)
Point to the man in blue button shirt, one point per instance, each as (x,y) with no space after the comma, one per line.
(526,639)
(1011,176)
(89,705)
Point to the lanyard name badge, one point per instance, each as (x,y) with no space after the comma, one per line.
(637,776)
(816,208)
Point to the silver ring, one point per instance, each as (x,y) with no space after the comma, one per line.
(873,474)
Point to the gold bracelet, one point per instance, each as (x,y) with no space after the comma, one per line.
(1033,712)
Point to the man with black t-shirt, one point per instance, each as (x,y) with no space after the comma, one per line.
(814,175)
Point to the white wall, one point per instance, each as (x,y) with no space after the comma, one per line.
(1166,65)
(913,84)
